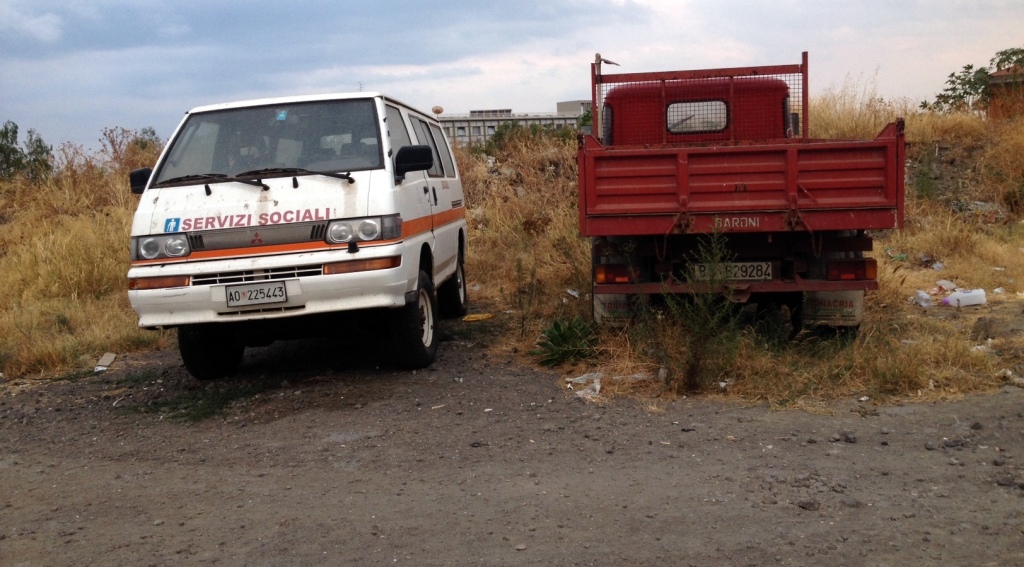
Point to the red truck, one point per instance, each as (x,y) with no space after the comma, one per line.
(679,156)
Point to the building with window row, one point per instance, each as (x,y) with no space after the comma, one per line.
(479,125)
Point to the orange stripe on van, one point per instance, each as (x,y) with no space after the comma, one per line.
(414,227)
(449,216)
(410,228)
(260,250)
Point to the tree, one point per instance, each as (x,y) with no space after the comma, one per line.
(585,119)
(35,160)
(965,91)
(1008,59)
(38,161)
(970,89)
(12,159)
(147,139)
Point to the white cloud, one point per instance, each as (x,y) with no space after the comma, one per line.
(87,64)
(46,28)
(174,30)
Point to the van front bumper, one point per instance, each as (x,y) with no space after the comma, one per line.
(308,289)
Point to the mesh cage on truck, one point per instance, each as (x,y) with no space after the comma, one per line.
(694,107)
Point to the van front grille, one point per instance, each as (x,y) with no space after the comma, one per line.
(264,235)
(247,276)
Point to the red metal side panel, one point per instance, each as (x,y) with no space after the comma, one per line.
(844,176)
(634,183)
(798,185)
(748,179)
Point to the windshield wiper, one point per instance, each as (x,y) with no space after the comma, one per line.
(209,178)
(295,172)
(267,171)
(182,179)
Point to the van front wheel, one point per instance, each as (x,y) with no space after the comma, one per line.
(415,327)
(209,353)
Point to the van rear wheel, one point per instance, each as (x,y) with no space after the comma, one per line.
(415,327)
(452,296)
(209,352)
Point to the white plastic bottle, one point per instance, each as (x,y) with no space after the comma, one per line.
(922,298)
(965,297)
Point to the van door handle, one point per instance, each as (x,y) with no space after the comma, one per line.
(434,189)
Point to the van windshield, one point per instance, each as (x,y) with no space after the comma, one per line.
(322,136)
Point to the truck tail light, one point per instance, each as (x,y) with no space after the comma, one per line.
(613,273)
(859,269)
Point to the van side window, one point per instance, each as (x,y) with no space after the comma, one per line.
(424,137)
(442,148)
(397,130)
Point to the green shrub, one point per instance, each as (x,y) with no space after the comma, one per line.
(566,341)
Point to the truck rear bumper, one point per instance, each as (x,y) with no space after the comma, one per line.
(740,289)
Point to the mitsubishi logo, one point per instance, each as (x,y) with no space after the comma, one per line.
(256,239)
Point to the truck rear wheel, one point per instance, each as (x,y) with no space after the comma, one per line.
(208,352)
(452,296)
(779,315)
(842,333)
(415,327)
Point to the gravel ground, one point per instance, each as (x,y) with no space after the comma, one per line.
(326,455)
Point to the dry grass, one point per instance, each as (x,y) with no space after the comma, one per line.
(903,351)
(63,262)
(1001,163)
(524,202)
(524,252)
(853,111)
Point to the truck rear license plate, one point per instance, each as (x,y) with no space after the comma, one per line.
(256,294)
(735,271)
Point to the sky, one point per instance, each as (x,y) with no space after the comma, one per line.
(70,68)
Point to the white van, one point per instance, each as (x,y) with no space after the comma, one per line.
(264,219)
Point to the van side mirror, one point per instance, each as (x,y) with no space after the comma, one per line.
(413,158)
(138,179)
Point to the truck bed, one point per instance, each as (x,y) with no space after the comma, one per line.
(784,185)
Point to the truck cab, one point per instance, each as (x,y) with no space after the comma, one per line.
(697,112)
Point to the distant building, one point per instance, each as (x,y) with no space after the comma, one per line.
(1007,88)
(479,125)
(578,106)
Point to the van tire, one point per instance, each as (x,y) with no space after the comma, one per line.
(452,295)
(414,328)
(208,352)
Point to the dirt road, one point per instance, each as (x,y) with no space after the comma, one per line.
(328,457)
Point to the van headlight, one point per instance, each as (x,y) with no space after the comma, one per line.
(367,229)
(160,246)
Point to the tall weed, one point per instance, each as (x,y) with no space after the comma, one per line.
(853,111)
(524,249)
(63,260)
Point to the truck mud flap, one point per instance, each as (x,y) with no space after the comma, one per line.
(613,310)
(833,308)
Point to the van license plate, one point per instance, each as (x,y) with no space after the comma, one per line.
(737,271)
(256,294)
